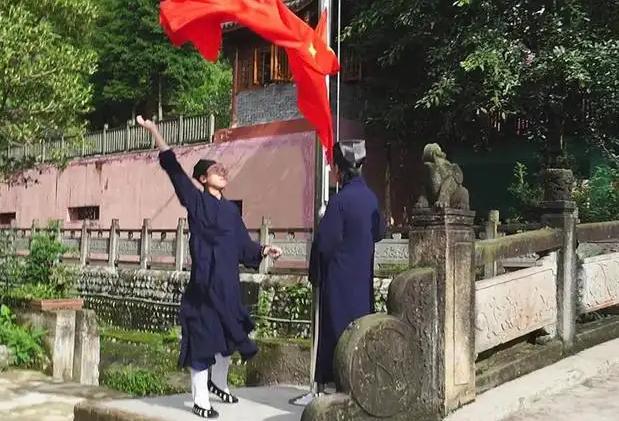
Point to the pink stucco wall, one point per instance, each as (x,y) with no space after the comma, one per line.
(273,176)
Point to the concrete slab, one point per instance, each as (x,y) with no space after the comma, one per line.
(595,399)
(525,392)
(256,404)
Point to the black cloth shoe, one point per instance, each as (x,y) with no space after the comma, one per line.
(205,413)
(225,397)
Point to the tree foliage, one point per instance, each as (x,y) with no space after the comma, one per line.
(139,69)
(45,66)
(460,70)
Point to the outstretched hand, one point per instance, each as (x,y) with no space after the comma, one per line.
(151,126)
(147,124)
(273,252)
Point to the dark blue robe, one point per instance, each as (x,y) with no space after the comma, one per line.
(342,264)
(212,317)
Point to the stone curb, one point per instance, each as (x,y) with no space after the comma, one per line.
(502,401)
(94,411)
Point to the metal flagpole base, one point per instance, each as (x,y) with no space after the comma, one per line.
(307,398)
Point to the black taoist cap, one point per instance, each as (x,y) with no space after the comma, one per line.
(349,153)
(202,167)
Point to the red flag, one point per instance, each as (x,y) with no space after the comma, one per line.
(309,67)
(199,22)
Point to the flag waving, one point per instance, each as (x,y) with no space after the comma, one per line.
(310,59)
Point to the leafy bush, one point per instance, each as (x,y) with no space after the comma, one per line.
(44,263)
(279,306)
(41,275)
(527,195)
(137,381)
(25,345)
(598,197)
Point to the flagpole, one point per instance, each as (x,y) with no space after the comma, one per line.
(321,197)
(322,185)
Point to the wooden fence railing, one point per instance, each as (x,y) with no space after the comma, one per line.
(179,131)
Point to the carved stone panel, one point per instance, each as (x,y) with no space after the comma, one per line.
(162,248)
(294,250)
(514,304)
(98,245)
(392,251)
(127,247)
(598,282)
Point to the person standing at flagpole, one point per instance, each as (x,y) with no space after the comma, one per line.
(213,320)
(342,254)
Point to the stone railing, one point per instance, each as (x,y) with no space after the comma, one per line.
(179,131)
(169,248)
(444,321)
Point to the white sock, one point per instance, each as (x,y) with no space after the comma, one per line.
(219,372)
(199,388)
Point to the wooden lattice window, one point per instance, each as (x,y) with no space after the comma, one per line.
(83,213)
(280,68)
(260,66)
(263,69)
(351,66)
(244,69)
(7,218)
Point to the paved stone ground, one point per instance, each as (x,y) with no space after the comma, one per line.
(583,387)
(255,404)
(595,399)
(32,396)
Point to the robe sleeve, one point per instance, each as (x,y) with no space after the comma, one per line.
(188,194)
(250,253)
(328,238)
(378,226)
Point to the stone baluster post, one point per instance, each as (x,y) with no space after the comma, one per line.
(560,211)
(145,245)
(265,239)
(444,240)
(179,259)
(112,254)
(84,244)
(492,232)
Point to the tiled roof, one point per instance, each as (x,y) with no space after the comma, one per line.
(294,5)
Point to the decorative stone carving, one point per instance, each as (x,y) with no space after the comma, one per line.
(598,283)
(385,365)
(558,184)
(376,366)
(442,181)
(514,304)
(392,250)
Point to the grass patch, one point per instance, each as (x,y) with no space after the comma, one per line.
(138,381)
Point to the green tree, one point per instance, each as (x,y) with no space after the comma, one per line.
(460,70)
(45,66)
(141,72)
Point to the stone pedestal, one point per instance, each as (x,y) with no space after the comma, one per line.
(87,349)
(59,339)
(71,340)
(443,239)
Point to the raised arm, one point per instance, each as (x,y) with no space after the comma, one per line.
(188,194)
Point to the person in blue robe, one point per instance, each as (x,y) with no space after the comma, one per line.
(214,322)
(342,255)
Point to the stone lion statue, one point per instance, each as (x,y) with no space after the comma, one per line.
(442,181)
